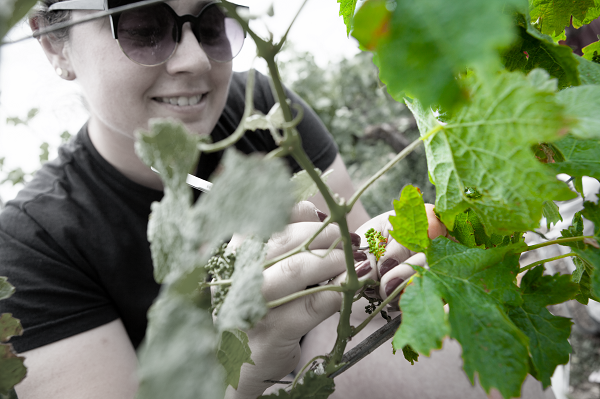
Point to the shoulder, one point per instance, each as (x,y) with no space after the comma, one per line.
(262,97)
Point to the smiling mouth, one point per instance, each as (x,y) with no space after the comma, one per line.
(181,101)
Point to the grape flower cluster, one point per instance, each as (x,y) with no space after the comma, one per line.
(220,267)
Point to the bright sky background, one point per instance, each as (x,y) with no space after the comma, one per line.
(28,81)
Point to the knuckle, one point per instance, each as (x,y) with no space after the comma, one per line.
(293,267)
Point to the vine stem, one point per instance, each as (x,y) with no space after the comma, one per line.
(539,262)
(304,368)
(300,248)
(300,294)
(241,129)
(389,299)
(401,155)
(218,282)
(557,241)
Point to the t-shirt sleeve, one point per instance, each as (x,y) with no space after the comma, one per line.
(54,298)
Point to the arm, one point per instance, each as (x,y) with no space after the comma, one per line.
(99,363)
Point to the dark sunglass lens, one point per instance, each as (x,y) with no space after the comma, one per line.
(221,38)
(146,35)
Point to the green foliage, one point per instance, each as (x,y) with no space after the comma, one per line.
(422,310)
(421,59)
(469,231)
(12,370)
(582,104)
(244,304)
(493,347)
(314,386)
(591,51)
(6,289)
(410,355)
(16,121)
(233,352)
(410,223)
(533,50)
(577,157)
(347,8)
(470,152)
(589,72)
(552,16)
(178,357)
(551,213)
(548,335)
(377,243)
(11,12)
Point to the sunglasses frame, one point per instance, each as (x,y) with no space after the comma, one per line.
(102,5)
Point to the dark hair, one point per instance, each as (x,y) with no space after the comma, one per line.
(42,18)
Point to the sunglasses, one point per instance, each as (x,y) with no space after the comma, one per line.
(149,35)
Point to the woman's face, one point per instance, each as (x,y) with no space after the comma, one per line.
(123,96)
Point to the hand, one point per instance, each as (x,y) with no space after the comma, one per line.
(393,267)
(274,340)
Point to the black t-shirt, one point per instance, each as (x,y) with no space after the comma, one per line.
(73,242)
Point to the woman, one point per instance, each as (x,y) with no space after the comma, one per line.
(73,241)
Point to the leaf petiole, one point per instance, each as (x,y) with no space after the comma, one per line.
(540,262)
(557,241)
(300,294)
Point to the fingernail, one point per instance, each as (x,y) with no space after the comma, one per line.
(388,265)
(359,256)
(355,239)
(392,285)
(322,216)
(363,268)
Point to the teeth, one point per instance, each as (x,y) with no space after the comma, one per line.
(181,101)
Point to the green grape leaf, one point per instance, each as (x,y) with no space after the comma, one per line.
(580,157)
(410,221)
(575,230)
(553,16)
(373,23)
(171,150)
(589,72)
(582,276)
(233,351)
(469,231)
(591,52)
(591,212)
(422,310)
(314,387)
(178,357)
(548,335)
(9,327)
(12,11)
(551,213)
(347,8)
(12,370)
(304,185)
(472,165)
(258,206)
(244,304)
(533,50)
(582,103)
(410,355)
(591,14)
(493,347)
(6,289)
(422,59)
(11,395)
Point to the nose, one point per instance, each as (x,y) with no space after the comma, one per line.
(189,56)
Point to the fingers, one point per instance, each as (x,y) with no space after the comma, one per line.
(396,276)
(436,227)
(365,270)
(295,234)
(306,211)
(297,272)
(298,317)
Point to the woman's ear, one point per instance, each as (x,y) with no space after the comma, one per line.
(55,49)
